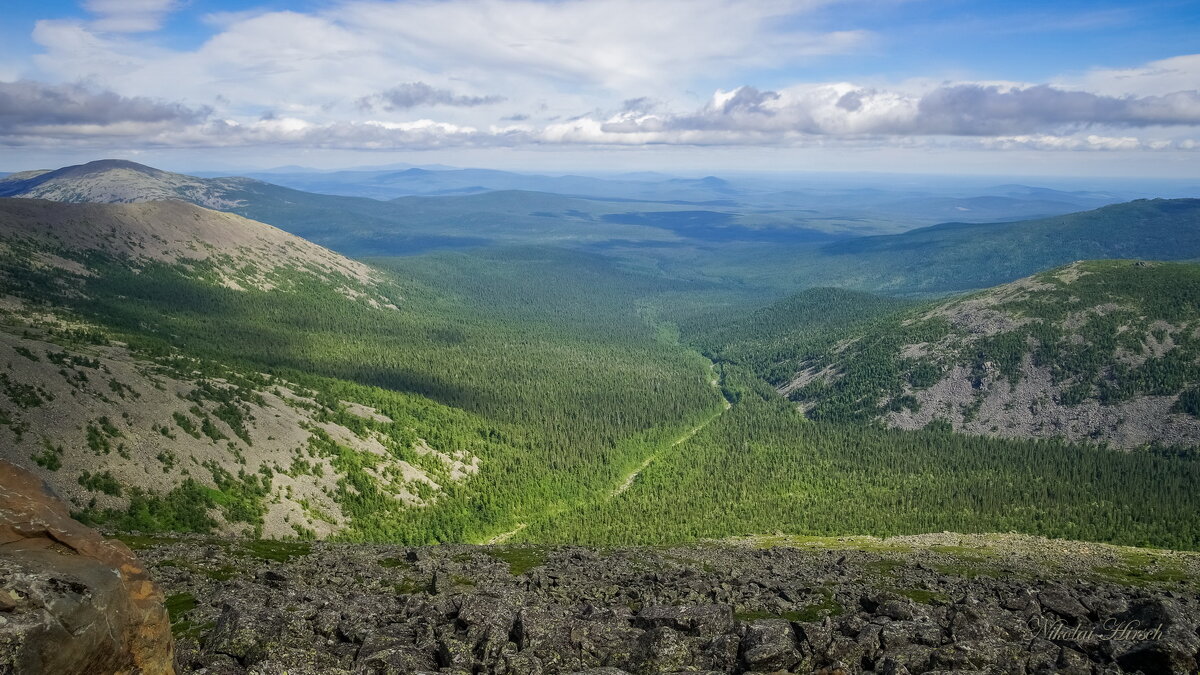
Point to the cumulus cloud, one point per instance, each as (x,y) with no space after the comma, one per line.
(129,16)
(747,114)
(616,44)
(574,54)
(35,108)
(415,94)
(980,116)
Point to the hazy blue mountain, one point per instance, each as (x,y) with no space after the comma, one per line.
(390,184)
(961,256)
(788,240)
(363,226)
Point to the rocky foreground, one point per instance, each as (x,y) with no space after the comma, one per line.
(949,603)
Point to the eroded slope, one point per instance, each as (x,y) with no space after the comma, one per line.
(1099,351)
(113,430)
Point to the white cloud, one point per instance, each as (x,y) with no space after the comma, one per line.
(1179,73)
(573,54)
(619,72)
(129,16)
(618,44)
(747,115)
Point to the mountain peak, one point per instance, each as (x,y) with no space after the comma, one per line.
(122,181)
(102,165)
(237,252)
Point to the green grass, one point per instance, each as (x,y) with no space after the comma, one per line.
(411,587)
(1145,569)
(178,607)
(179,604)
(220,573)
(520,559)
(967,570)
(883,565)
(277,551)
(922,596)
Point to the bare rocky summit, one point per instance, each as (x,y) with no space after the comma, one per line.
(122,181)
(240,253)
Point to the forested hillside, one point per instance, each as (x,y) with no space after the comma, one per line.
(761,468)
(962,256)
(220,374)
(1095,351)
(771,340)
(543,412)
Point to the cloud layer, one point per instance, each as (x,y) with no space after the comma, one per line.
(387,75)
(418,94)
(33,111)
(845,110)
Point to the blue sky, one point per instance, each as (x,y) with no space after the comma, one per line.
(898,85)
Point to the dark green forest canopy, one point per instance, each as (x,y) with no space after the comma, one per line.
(570,369)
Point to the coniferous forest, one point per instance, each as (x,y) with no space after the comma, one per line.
(610,406)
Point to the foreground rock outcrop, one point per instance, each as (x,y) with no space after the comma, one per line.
(70,600)
(944,603)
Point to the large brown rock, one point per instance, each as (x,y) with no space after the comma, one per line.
(70,600)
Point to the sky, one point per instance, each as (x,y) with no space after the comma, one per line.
(1005,87)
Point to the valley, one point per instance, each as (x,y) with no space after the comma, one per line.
(189,378)
(599,337)
(236,378)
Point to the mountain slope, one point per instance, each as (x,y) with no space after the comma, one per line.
(349,224)
(169,442)
(239,252)
(551,411)
(1105,351)
(118,180)
(100,394)
(961,256)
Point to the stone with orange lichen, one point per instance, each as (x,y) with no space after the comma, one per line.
(73,601)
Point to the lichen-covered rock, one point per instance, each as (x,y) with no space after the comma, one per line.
(713,609)
(701,621)
(70,600)
(770,645)
(245,632)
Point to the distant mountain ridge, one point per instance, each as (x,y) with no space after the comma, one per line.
(771,242)
(117,180)
(954,256)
